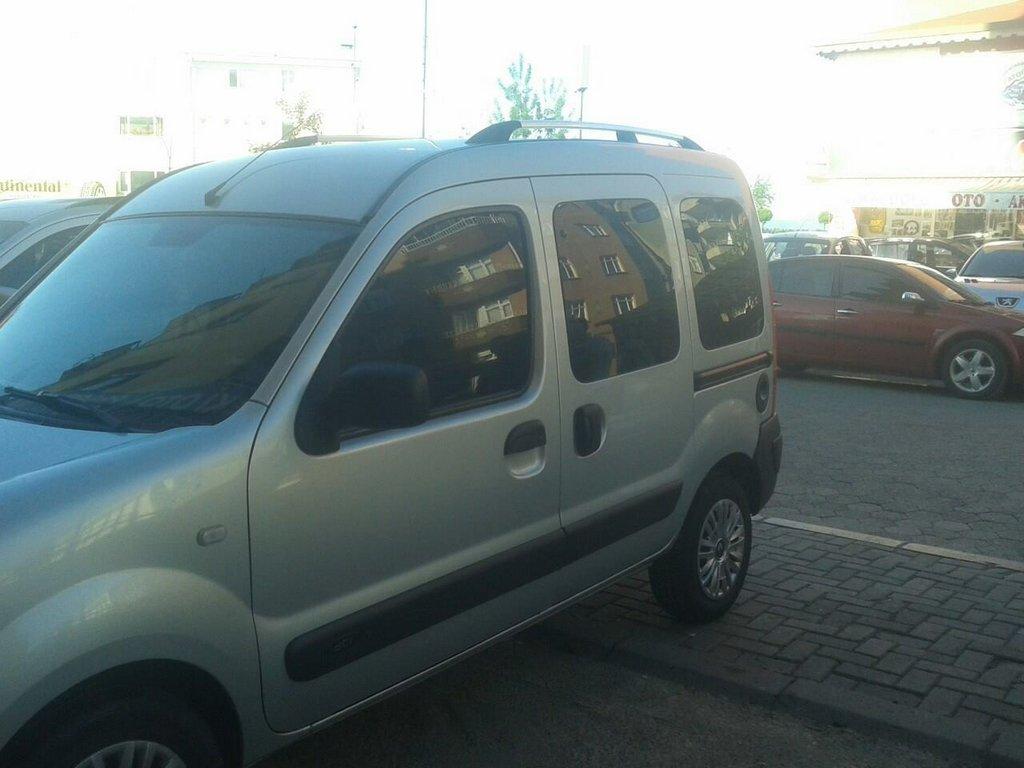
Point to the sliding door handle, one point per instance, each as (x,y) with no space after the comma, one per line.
(847,312)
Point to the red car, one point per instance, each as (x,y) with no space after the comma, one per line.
(884,316)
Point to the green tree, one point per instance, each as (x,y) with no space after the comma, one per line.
(522,100)
(825,218)
(763,199)
(297,119)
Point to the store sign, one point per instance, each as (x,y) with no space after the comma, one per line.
(32,187)
(1005,201)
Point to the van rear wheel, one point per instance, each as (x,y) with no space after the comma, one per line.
(700,576)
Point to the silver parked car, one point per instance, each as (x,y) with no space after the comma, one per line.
(33,231)
(996,273)
(310,426)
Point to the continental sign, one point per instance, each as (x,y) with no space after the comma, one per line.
(37,187)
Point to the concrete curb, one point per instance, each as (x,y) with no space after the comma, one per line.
(646,651)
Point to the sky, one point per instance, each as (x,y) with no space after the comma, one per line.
(738,76)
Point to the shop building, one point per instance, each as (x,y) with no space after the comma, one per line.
(924,127)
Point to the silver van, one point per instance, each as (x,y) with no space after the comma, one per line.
(310,426)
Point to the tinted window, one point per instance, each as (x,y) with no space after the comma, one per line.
(723,265)
(806,278)
(624,285)
(166,321)
(885,250)
(453,300)
(867,284)
(1001,263)
(17,271)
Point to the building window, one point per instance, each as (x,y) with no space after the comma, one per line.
(496,311)
(142,126)
(594,230)
(724,269)
(567,269)
(287,79)
(624,303)
(577,310)
(232,78)
(612,265)
(130,181)
(475,270)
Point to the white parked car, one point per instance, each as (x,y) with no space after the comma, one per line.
(996,273)
(34,231)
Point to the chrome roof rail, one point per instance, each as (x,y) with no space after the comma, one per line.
(502,132)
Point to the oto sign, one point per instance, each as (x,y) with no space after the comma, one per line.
(968,200)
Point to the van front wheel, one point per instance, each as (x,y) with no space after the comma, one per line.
(700,576)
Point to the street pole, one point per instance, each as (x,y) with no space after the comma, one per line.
(581,90)
(423,107)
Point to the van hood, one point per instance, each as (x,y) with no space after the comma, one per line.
(27,448)
(1003,292)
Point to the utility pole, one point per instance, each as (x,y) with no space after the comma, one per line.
(584,79)
(423,107)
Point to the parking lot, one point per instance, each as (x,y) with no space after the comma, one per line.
(903,461)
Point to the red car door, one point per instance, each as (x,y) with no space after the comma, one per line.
(876,331)
(804,310)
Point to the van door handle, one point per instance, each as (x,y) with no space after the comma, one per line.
(776,303)
(588,429)
(526,437)
(847,312)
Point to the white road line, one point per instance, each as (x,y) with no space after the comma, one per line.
(882,541)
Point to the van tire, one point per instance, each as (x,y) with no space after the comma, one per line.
(675,578)
(100,723)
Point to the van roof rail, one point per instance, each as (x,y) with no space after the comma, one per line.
(320,138)
(501,132)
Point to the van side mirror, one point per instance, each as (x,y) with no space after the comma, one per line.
(951,273)
(379,396)
(912,297)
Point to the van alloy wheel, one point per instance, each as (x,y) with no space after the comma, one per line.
(134,754)
(972,370)
(720,549)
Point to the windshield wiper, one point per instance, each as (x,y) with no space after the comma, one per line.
(67,407)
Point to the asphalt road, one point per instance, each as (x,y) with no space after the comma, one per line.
(524,704)
(905,461)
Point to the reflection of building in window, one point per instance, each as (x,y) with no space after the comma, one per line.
(621,325)
(624,303)
(567,269)
(577,310)
(612,265)
(497,311)
(476,270)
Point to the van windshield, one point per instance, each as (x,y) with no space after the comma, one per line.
(1004,262)
(158,322)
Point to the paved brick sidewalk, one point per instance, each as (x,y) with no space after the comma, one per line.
(847,630)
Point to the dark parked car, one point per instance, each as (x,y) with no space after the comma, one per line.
(944,255)
(33,231)
(788,244)
(893,317)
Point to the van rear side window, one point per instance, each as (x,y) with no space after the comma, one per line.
(620,305)
(723,265)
